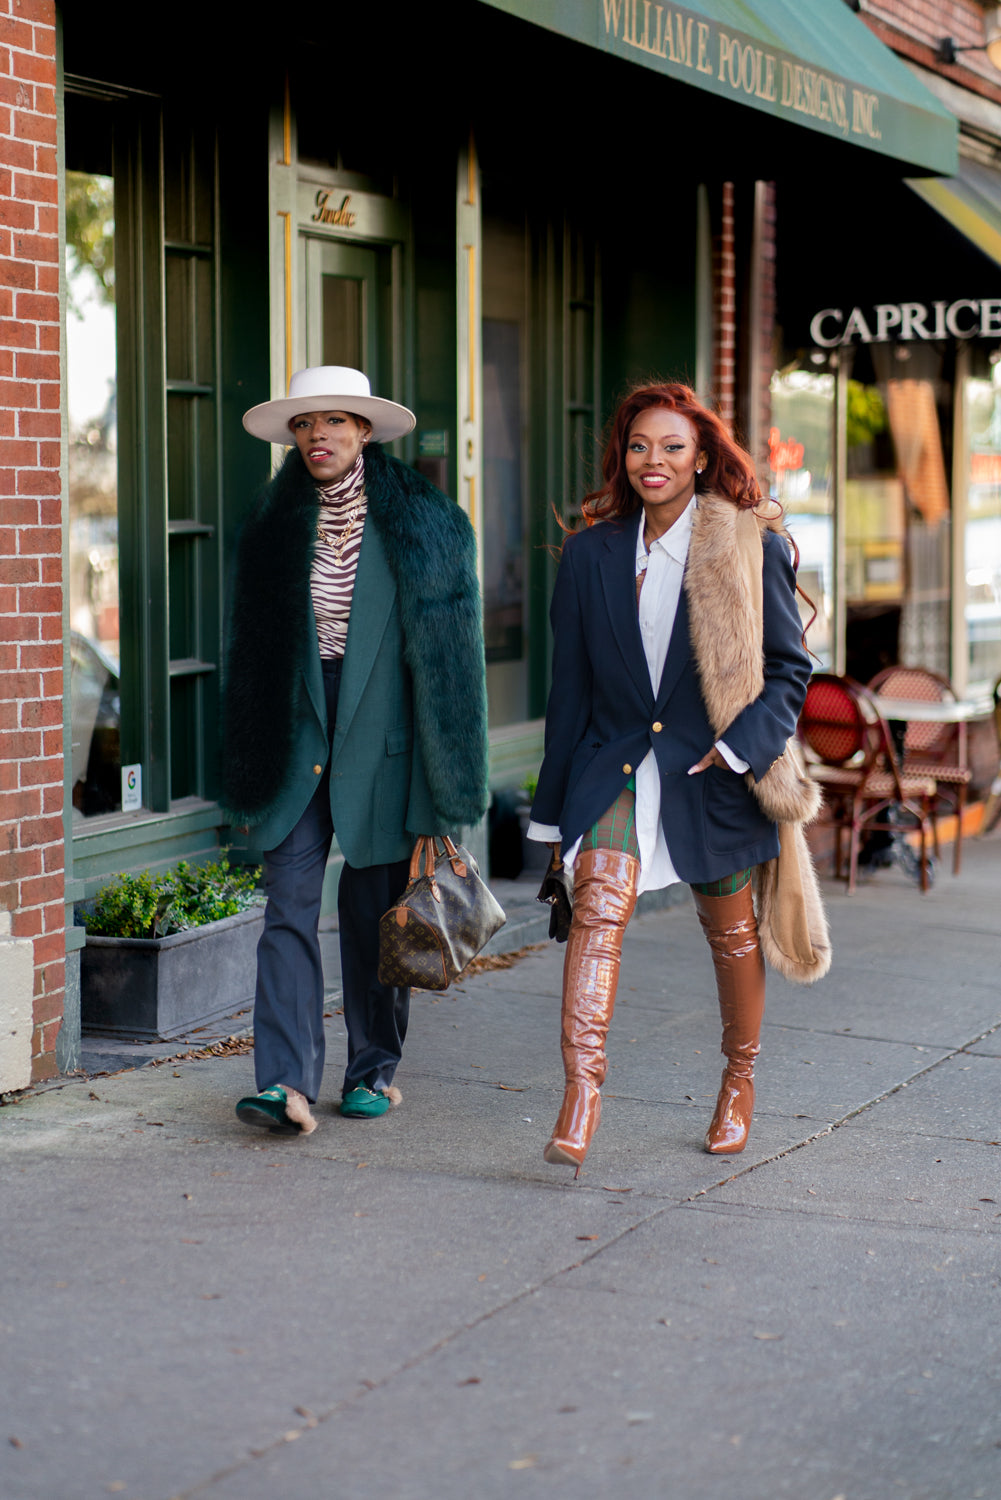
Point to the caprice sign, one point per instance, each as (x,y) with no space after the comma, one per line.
(966,318)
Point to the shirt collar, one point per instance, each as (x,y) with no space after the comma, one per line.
(674,542)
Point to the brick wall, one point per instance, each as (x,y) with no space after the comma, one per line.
(913,28)
(31,677)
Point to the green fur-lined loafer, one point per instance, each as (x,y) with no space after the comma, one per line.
(361,1103)
(277,1108)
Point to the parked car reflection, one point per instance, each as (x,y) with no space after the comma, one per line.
(96,729)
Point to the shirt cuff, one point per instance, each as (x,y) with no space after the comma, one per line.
(543,833)
(733,761)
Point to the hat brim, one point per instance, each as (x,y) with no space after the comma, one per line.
(270,420)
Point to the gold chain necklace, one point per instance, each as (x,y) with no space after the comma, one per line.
(338,544)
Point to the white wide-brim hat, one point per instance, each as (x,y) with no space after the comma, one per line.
(329,388)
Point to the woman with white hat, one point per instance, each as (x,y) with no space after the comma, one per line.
(355,702)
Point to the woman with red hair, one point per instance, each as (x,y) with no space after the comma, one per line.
(678,674)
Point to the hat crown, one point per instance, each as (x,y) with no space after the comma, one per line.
(324,380)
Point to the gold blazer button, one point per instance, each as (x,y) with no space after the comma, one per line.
(317,770)
(627,768)
(657,726)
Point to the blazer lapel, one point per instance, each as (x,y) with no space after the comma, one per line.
(679,653)
(618,579)
(371,606)
(313,672)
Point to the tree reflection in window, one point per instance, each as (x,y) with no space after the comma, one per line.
(93,493)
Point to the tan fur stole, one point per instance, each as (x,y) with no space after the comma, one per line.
(723,584)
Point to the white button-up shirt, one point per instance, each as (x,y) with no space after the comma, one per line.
(664,566)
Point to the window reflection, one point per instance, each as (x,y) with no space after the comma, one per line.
(505,346)
(983,529)
(898,518)
(503,584)
(800,454)
(93,493)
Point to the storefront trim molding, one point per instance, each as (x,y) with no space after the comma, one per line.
(469,354)
(144,841)
(323,206)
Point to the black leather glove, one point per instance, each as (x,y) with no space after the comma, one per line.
(557,893)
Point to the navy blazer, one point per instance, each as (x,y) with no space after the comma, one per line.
(603,716)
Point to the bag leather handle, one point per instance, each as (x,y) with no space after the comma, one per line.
(418,857)
(426,852)
(454,858)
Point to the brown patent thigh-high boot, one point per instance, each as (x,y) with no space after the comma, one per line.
(604,898)
(730,926)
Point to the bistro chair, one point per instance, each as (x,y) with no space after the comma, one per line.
(931,749)
(850,755)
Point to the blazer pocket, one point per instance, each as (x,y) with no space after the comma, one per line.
(393,788)
(730,813)
(584,753)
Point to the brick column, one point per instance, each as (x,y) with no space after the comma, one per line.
(31,588)
(744,311)
(724,374)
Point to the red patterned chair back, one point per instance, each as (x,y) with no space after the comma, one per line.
(920,740)
(832,723)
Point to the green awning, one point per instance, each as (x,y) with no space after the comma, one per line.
(970,201)
(812,62)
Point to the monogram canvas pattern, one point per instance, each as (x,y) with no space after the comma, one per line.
(412,954)
(440,923)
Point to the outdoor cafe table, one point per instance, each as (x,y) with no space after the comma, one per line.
(933,711)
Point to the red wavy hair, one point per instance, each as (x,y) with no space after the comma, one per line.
(729,470)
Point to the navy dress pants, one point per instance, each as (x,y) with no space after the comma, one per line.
(288,1005)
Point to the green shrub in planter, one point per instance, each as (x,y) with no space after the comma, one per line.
(153,906)
(166,954)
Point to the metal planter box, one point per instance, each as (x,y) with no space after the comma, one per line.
(157,989)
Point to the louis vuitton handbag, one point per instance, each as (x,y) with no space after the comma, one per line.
(444,918)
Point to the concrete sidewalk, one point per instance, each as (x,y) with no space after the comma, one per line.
(420,1307)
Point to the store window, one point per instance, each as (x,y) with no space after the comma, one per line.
(801,464)
(897,509)
(981,467)
(92,391)
(142,397)
(505,459)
